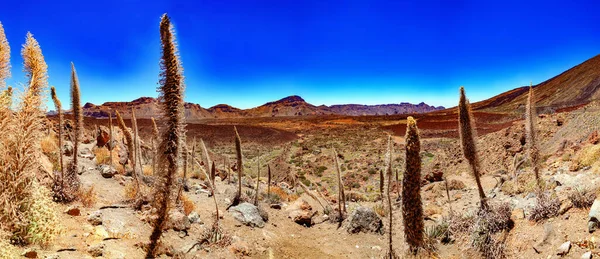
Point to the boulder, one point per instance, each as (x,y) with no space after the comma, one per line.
(247,214)
(178,221)
(86,153)
(73,211)
(194,218)
(96,250)
(107,171)
(95,218)
(103,136)
(594,216)
(564,249)
(303,217)
(364,220)
(587,255)
(434,176)
(594,138)
(68,148)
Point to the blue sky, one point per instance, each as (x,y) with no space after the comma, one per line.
(246,53)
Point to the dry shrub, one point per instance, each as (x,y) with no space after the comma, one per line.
(87,196)
(357,197)
(130,191)
(43,216)
(147,170)
(455,185)
(279,194)
(587,156)
(49,144)
(381,210)
(102,156)
(482,230)
(546,206)
(582,199)
(525,183)
(188,205)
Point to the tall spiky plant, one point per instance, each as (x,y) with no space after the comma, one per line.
(257,179)
(72,175)
(388,170)
(4,58)
(412,207)
(240,167)
(207,161)
(155,134)
(532,149)
(20,153)
(110,138)
(467,140)
(130,148)
(269,181)
(171,102)
(193,152)
(136,143)
(341,194)
(58,181)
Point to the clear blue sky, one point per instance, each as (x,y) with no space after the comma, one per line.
(245,53)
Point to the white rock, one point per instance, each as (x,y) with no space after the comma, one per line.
(564,248)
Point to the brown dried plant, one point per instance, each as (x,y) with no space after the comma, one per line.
(171,103)
(412,206)
(467,140)
(130,148)
(26,212)
(391,254)
(110,138)
(341,195)
(532,149)
(155,135)
(240,168)
(58,180)
(4,58)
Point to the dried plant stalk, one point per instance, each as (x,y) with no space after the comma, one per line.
(412,206)
(467,140)
(171,102)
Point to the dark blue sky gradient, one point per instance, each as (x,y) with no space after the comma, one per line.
(245,53)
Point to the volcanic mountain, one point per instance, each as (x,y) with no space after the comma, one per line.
(146,107)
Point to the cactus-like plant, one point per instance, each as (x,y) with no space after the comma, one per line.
(130,148)
(240,168)
(57,105)
(110,138)
(467,140)
(136,144)
(70,179)
(4,58)
(257,180)
(171,102)
(412,207)
(532,149)
(154,145)
(388,170)
(268,181)
(341,195)
(20,153)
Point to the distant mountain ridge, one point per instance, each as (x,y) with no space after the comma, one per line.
(146,107)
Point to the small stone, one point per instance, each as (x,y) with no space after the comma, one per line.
(247,214)
(95,218)
(276,206)
(30,254)
(73,211)
(564,248)
(565,206)
(96,250)
(107,171)
(378,248)
(587,255)
(194,218)
(51,256)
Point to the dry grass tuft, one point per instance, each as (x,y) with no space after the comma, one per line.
(188,205)
(582,199)
(587,156)
(87,196)
(43,221)
(102,156)
(546,206)
(49,144)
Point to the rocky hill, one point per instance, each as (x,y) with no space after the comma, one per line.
(146,107)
